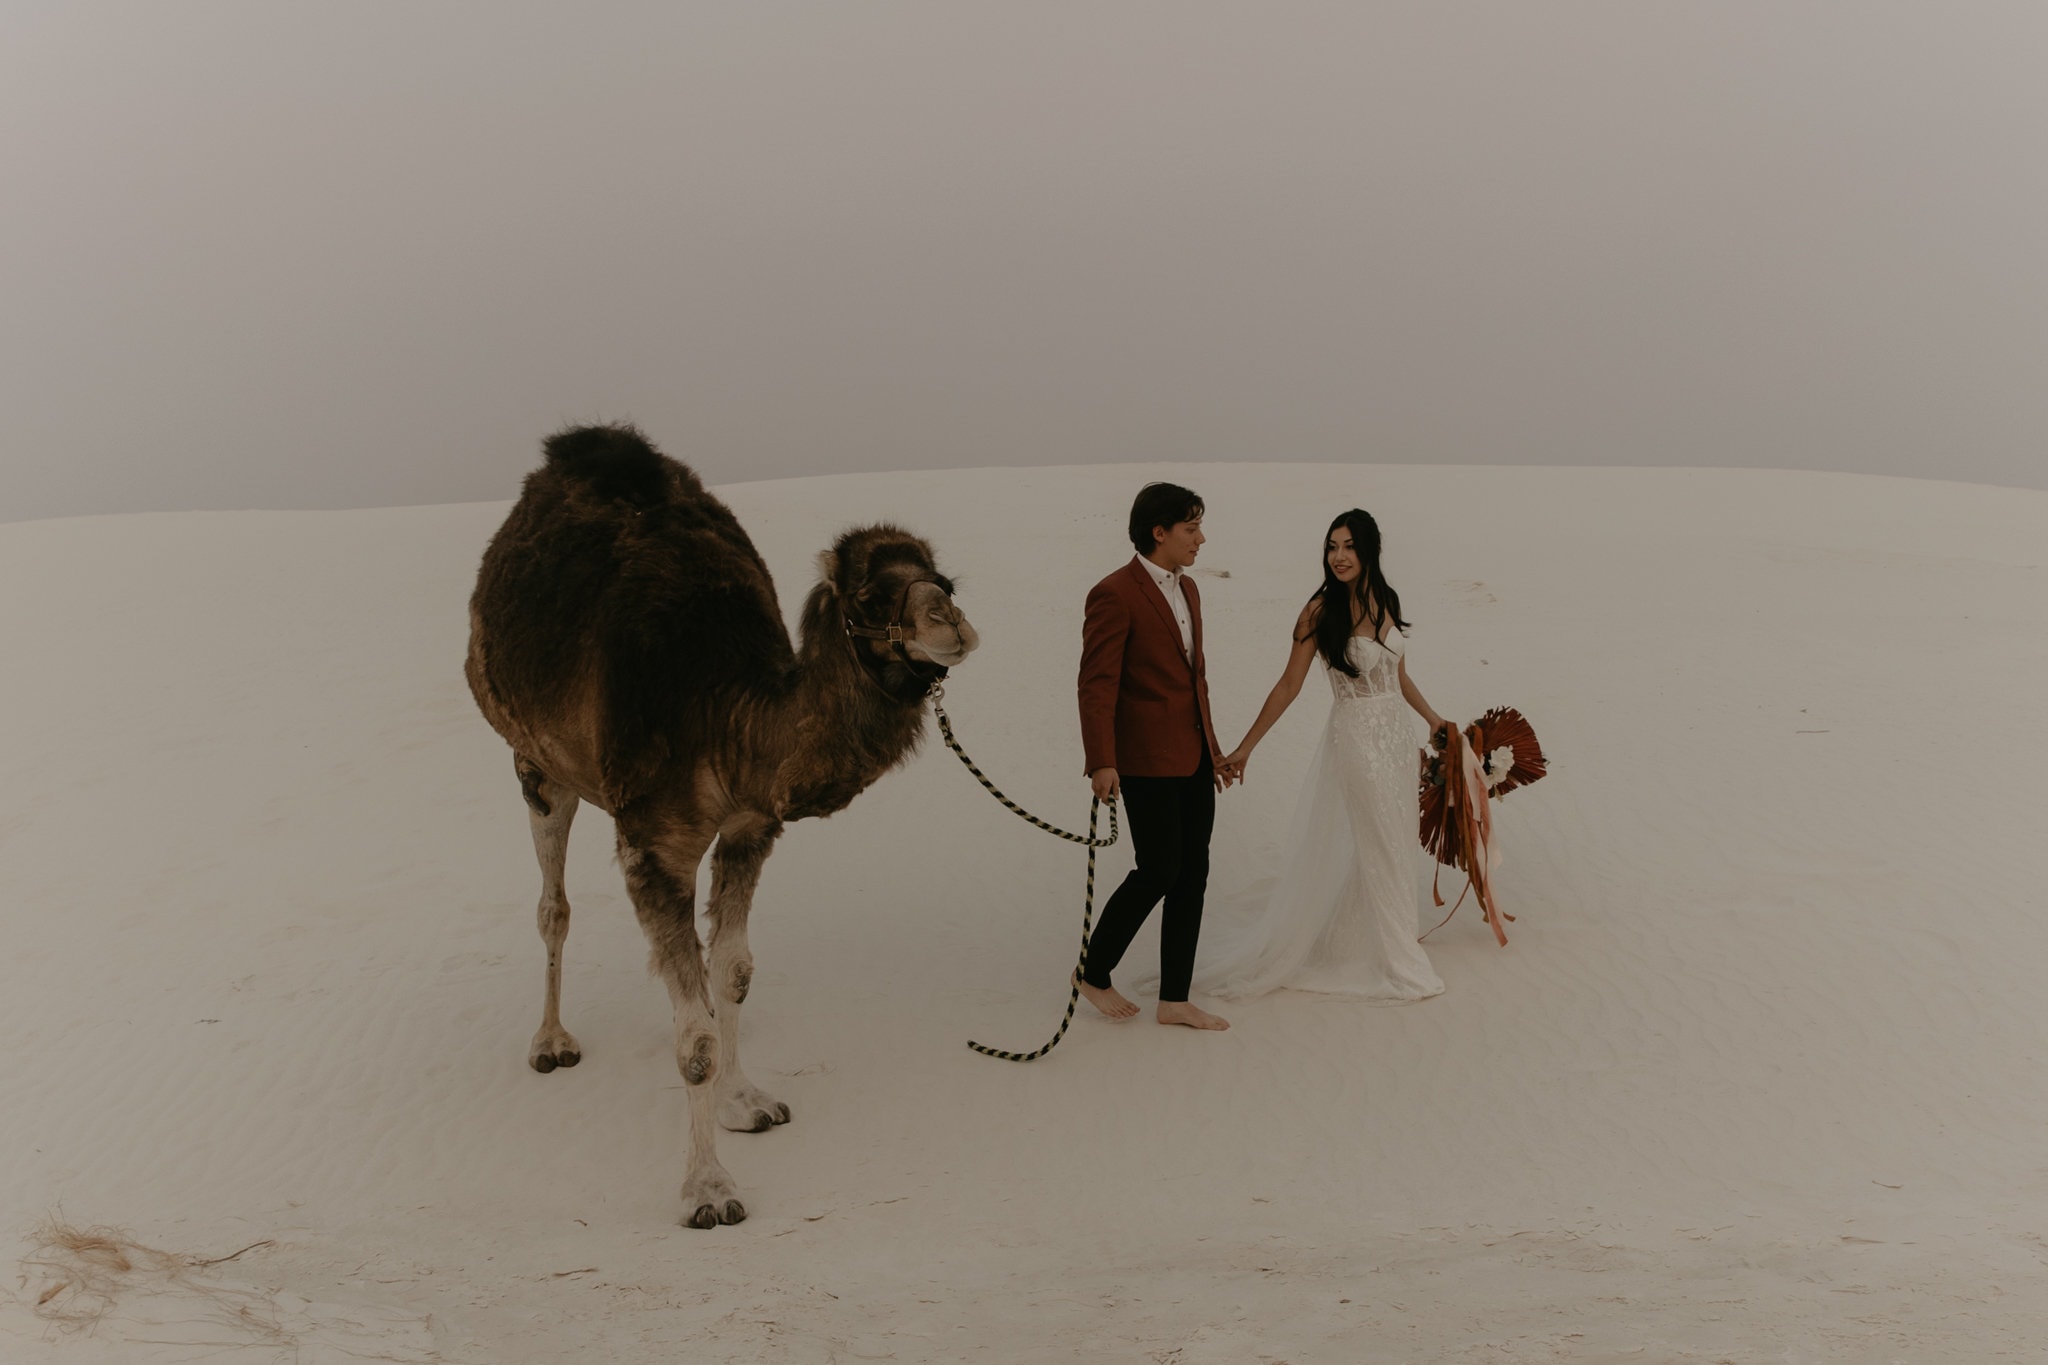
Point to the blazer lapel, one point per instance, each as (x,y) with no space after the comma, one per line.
(1157,595)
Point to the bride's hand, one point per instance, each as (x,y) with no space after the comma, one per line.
(1234,761)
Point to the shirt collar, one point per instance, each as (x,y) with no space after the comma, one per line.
(1160,576)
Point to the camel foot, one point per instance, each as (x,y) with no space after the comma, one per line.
(553,1047)
(711,1200)
(751,1110)
(1181,1012)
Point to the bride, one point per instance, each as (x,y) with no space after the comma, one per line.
(1342,917)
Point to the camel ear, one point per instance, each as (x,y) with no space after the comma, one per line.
(828,567)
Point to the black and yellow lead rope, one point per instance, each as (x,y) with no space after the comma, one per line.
(1089,840)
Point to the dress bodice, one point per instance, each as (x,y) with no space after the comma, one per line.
(1379,668)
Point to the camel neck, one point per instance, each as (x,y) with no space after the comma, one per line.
(843,730)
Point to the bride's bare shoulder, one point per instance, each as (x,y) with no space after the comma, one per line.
(1311,615)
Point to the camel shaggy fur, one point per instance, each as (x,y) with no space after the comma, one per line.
(625,640)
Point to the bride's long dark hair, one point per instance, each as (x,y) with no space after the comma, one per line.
(1375,599)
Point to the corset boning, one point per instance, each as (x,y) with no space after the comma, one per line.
(1379,673)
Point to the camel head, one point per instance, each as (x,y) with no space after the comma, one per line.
(893,604)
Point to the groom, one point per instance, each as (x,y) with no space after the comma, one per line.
(1146,730)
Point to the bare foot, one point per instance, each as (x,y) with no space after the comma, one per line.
(1181,1012)
(1106,999)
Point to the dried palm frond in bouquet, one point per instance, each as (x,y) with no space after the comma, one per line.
(1461,772)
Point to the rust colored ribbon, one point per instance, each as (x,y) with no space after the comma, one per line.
(1466,804)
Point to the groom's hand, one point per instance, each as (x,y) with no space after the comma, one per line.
(1104,780)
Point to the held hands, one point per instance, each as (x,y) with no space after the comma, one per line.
(1104,780)
(1230,768)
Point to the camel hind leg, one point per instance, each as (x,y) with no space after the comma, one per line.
(550,810)
(735,869)
(660,861)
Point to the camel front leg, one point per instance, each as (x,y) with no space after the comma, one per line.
(550,810)
(735,870)
(661,878)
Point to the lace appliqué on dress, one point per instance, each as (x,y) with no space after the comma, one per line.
(1379,671)
(1344,915)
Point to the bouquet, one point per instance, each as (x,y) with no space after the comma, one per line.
(1461,771)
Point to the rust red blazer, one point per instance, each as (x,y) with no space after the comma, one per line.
(1144,705)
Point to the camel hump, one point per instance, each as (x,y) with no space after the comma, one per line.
(622,604)
(618,463)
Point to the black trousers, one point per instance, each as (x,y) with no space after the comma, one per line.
(1170,819)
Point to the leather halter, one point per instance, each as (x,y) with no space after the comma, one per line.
(926,672)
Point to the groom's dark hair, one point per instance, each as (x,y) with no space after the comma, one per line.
(1161,504)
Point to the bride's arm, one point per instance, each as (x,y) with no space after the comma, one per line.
(1299,656)
(1416,699)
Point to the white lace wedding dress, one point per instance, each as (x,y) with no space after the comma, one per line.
(1342,916)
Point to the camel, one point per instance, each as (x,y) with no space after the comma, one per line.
(626,641)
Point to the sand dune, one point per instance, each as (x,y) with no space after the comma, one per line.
(1755,1080)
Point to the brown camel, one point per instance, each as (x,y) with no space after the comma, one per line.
(626,642)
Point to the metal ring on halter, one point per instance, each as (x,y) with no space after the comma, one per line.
(897,638)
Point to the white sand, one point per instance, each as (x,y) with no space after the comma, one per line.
(1755,1080)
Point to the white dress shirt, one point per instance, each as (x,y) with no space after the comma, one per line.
(1169,584)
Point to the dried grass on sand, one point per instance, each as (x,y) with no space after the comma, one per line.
(78,1275)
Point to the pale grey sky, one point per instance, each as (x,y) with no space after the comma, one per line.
(262,254)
